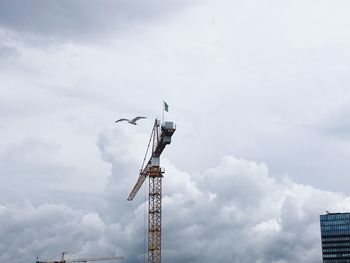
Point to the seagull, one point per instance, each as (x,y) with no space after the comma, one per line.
(133,121)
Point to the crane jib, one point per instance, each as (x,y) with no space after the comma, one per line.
(83,259)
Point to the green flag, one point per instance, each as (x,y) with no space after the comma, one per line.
(166,106)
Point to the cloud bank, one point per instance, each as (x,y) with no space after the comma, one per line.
(232,212)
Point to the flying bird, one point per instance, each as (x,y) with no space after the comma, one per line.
(133,121)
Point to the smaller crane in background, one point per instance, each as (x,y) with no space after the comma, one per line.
(63,260)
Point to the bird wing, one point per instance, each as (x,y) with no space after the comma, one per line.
(138,118)
(121,120)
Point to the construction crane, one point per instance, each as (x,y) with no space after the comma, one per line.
(63,260)
(160,137)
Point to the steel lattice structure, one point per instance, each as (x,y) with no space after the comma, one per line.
(155,218)
(160,137)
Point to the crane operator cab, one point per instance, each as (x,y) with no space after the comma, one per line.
(168,128)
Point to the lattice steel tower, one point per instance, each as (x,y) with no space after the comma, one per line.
(160,137)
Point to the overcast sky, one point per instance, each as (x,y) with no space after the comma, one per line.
(259,91)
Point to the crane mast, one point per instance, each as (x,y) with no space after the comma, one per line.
(161,136)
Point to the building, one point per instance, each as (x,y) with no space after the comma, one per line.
(335,236)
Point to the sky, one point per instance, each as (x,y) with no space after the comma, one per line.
(259,94)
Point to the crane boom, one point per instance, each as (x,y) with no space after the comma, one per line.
(89,259)
(140,180)
(93,259)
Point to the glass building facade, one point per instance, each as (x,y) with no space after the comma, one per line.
(335,236)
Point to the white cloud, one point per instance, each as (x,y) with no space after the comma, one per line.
(234,210)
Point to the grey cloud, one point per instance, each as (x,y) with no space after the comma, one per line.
(8,54)
(31,159)
(337,123)
(227,76)
(30,169)
(7,51)
(238,97)
(77,19)
(28,231)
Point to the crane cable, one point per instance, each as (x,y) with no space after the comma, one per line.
(145,202)
(149,143)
